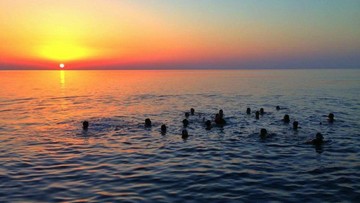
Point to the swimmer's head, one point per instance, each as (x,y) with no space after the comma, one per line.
(184,134)
(278,108)
(208,124)
(263,133)
(147,122)
(261,111)
(286,118)
(257,113)
(295,125)
(331,117)
(187,114)
(248,111)
(319,137)
(192,111)
(163,128)
(85,125)
(221,113)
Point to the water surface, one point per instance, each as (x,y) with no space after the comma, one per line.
(46,156)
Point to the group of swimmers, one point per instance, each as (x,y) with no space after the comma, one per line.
(220,121)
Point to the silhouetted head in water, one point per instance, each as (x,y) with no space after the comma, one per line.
(295,125)
(319,136)
(147,122)
(187,114)
(208,125)
(286,118)
(248,111)
(185,123)
(261,111)
(331,117)
(278,108)
(319,139)
(221,113)
(263,133)
(85,125)
(163,128)
(257,114)
(217,117)
(192,111)
(184,134)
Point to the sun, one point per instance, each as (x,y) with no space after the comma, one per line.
(61,65)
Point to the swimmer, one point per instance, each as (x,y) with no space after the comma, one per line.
(263,133)
(318,140)
(221,113)
(163,129)
(295,125)
(147,122)
(192,111)
(219,120)
(187,114)
(257,114)
(286,118)
(277,108)
(85,125)
(262,111)
(208,125)
(185,122)
(248,111)
(184,134)
(331,117)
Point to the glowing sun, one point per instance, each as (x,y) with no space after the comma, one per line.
(61,65)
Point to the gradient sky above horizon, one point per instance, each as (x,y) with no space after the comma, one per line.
(179,34)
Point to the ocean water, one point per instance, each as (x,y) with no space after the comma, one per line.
(46,156)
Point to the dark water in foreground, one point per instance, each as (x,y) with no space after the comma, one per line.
(45,156)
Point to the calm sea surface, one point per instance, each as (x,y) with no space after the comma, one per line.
(46,156)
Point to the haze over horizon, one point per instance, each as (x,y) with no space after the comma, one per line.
(159,34)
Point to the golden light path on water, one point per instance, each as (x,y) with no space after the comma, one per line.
(62,78)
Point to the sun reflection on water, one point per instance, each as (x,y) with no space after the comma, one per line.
(62,78)
(63,102)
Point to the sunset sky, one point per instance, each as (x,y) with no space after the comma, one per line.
(172,34)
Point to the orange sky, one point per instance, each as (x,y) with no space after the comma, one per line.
(44,33)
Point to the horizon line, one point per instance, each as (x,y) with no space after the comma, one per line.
(112,69)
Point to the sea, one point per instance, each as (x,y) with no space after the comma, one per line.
(46,156)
